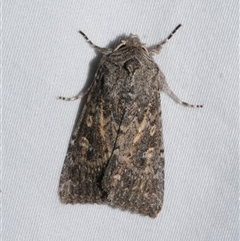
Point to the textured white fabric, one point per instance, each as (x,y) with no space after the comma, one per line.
(44,56)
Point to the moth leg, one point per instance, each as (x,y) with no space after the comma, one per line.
(159,46)
(166,88)
(79,96)
(100,49)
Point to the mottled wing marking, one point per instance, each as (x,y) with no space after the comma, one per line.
(134,178)
(89,149)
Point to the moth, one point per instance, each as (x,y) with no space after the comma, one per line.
(116,152)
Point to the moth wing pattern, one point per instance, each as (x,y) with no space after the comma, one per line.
(134,178)
(89,150)
(116,152)
(120,122)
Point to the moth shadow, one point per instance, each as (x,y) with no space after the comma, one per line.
(93,66)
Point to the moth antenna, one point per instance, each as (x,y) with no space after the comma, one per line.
(156,49)
(100,49)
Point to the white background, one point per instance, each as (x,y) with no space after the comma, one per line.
(44,56)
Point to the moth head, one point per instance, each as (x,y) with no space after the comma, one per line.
(132,41)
